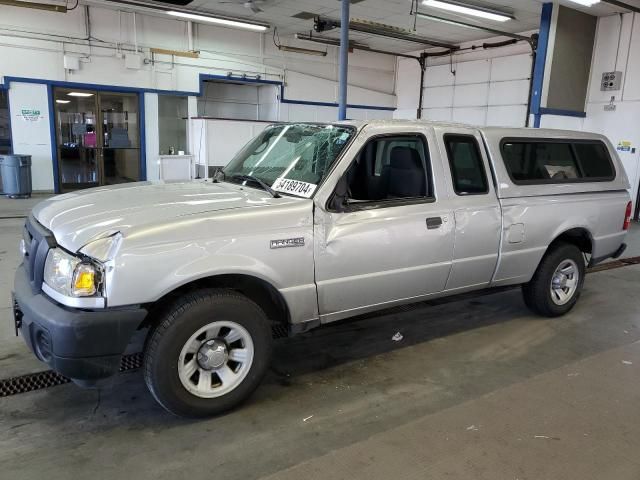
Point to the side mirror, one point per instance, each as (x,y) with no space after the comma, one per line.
(340,199)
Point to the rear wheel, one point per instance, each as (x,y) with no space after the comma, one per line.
(557,283)
(208,354)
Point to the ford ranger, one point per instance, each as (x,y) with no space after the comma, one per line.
(309,224)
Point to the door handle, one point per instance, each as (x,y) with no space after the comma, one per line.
(434,222)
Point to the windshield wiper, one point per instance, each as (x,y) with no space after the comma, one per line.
(251,178)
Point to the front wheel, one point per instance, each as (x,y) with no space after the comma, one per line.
(557,283)
(208,353)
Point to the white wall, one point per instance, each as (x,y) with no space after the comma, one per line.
(215,142)
(152,132)
(623,124)
(489,87)
(33,44)
(31,136)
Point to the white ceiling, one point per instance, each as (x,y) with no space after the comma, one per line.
(278,13)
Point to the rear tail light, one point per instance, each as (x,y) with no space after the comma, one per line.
(627,217)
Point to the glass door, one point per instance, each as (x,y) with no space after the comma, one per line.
(97,138)
(120,147)
(77,135)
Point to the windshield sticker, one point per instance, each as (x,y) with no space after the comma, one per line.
(294,187)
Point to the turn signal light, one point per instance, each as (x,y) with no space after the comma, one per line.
(627,217)
(84,280)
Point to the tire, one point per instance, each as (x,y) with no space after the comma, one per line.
(549,299)
(221,336)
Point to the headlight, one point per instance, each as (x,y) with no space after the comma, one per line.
(69,275)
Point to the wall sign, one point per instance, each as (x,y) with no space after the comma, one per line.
(30,115)
(624,146)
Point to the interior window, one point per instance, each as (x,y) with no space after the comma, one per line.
(467,170)
(548,162)
(389,168)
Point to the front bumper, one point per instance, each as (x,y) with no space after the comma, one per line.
(83,345)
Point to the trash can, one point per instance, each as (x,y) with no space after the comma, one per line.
(16,175)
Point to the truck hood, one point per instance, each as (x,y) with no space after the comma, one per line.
(81,217)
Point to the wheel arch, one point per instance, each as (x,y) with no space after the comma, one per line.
(256,289)
(581,237)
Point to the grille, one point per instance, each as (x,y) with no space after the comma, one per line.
(38,381)
(131,362)
(29,383)
(38,242)
(279,330)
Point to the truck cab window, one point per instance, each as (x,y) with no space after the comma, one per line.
(389,168)
(467,170)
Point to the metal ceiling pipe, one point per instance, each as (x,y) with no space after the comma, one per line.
(352,45)
(344,60)
(322,24)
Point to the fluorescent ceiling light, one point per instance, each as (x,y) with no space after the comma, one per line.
(80,94)
(63,101)
(35,5)
(220,21)
(586,3)
(304,51)
(467,9)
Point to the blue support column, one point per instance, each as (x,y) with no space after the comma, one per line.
(344,60)
(541,60)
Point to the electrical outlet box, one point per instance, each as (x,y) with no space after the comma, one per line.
(133,61)
(611,81)
(71,62)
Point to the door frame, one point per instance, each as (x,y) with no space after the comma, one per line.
(94,88)
(98,129)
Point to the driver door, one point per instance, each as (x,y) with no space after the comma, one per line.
(392,240)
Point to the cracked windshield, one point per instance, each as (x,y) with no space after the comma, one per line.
(290,159)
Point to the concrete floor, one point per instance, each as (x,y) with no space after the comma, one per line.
(476,389)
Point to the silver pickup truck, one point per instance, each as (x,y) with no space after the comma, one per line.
(309,224)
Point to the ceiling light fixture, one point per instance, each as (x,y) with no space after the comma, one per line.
(468,9)
(334,42)
(460,23)
(305,51)
(585,3)
(256,27)
(63,101)
(34,5)
(80,94)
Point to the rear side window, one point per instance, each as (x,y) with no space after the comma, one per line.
(594,159)
(467,170)
(538,162)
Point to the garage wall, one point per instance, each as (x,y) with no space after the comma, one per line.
(33,45)
(622,124)
(29,49)
(488,87)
